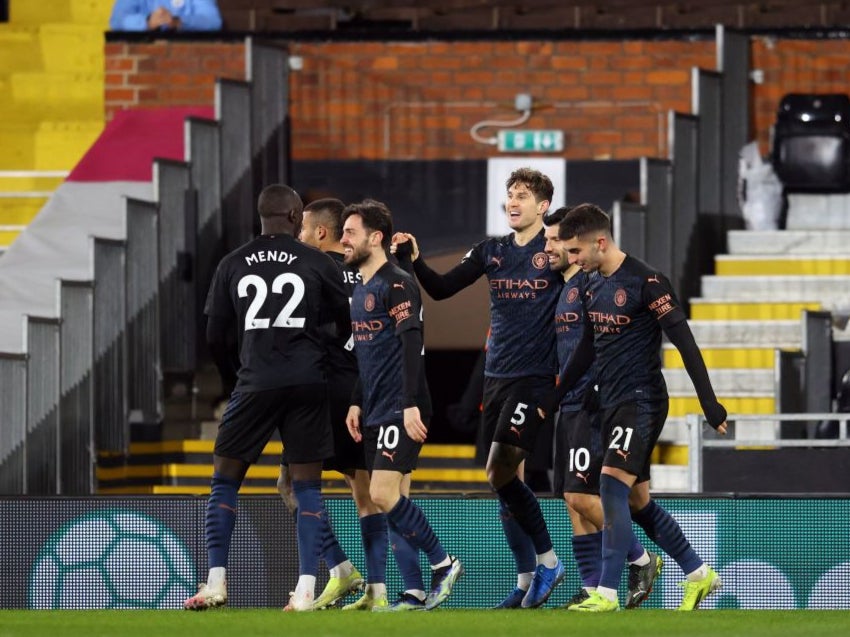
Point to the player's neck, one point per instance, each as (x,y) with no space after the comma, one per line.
(570,272)
(333,247)
(372,265)
(524,236)
(613,260)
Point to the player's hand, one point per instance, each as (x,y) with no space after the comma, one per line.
(721,428)
(284,487)
(159,17)
(405,237)
(352,422)
(413,424)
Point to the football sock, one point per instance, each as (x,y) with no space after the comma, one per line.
(220,519)
(331,551)
(407,558)
(662,528)
(636,553)
(587,550)
(310,522)
(518,541)
(343,569)
(617,531)
(373,529)
(526,510)
(217,577)
(413,526)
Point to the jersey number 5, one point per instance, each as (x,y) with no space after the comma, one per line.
(284,318)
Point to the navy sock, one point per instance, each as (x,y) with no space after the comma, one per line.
(518,541)
(662,528)
(220,519)
(331,551)
(373,529)
(635,548)
(526,511)
(414,527)
(310,522)
(617,531)
(587,549)
(407,558)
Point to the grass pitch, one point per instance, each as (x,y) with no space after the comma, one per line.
(439,623)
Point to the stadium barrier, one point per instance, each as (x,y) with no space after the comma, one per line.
(149,552)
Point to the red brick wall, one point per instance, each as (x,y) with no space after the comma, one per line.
(165,73)
(405,100)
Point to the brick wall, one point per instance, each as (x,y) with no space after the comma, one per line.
(406,100)
(168,73)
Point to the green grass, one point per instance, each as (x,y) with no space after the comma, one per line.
(440,623)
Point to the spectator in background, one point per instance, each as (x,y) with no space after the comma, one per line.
(165,15)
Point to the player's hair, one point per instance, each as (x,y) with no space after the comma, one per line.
(278,200)
(538,183)
(376,218)
(584,219)
(555,216)
(328,212)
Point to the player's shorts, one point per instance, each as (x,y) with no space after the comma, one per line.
(629,432)
(578,453)
(510,417)
(389,448)
(348,454)
(298,412)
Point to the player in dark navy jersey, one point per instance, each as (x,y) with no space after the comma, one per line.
(392,404)
(520,369)
(578,441)
(321,227)
(628,304)
(277,294)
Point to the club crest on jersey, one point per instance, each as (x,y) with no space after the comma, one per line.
(540,260)
(572,295)
(620,297)
(369,302)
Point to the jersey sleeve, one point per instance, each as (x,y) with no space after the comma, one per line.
(660,299)
(219,302)
(442,286)
(404,305)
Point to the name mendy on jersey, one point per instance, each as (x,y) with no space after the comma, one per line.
(281,256)
(518,288)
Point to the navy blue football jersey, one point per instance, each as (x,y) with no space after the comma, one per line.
(569,327)
(279,292)
(381,309)
(626,311)
(342,361)
(523,296)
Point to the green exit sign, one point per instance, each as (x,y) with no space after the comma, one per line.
(531,141)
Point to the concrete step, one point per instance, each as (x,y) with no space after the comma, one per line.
(732,357)
(60,145)
(676,430)
(788,242)
(786,334)
(20,49)
(30,181)
(831,291)
(717,309)
(76,48)
(56,88)
(29,12)
(791,265)
(668,478)
(19,211)
(818,212)
(8,234)
(725,381)
(681,405)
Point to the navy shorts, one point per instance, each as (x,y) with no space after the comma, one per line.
(348,454)
(578,452)
(630,431)
(299,413)
(389,448)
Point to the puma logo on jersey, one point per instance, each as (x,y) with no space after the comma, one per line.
(583,476)
(497,261)
(624,454)
(518,432)
(653,279)
(390,455)
(315,514)
(398,285)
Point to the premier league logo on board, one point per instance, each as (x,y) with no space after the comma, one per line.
(112,559)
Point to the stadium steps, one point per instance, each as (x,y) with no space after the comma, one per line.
(183,466)
(22,195)
(51,96)
(750,308)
